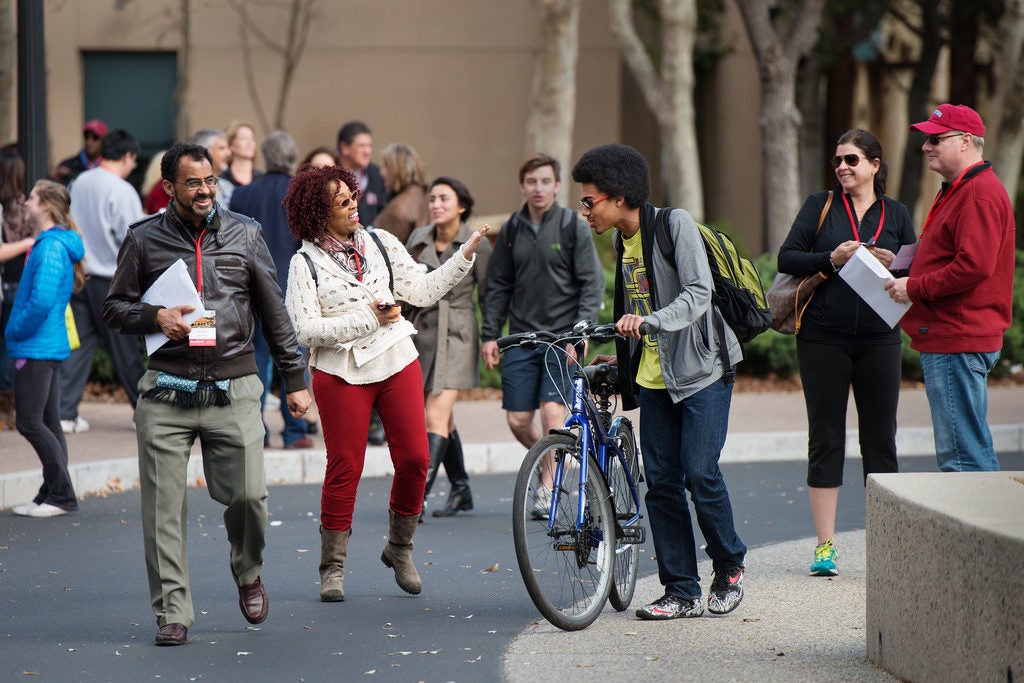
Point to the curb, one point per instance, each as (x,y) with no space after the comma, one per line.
(104,477)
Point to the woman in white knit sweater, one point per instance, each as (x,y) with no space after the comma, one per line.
(343,285)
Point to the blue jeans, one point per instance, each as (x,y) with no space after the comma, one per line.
(295,428)
(958,398)
(681,444)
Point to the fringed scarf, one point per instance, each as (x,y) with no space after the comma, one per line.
(349,254)
(189,393)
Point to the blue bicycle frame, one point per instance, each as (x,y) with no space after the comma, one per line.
(585,417)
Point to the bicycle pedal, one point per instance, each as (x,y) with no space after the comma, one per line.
(633,535)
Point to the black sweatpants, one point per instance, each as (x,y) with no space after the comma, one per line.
(827,372)
(36,406)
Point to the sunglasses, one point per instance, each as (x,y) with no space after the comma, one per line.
(936,139)
(589,203)
(348,201)
(850,159)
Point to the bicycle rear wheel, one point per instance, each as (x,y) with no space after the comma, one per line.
(567,571)
(628,535)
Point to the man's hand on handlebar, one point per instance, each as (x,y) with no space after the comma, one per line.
(629,326)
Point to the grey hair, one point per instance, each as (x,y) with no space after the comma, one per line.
(280,152)
(204,137)
(979,143)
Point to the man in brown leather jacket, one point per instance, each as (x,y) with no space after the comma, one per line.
(202,382)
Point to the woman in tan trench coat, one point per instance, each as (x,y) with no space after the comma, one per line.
(448,335)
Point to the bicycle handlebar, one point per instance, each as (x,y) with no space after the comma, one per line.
(599,333)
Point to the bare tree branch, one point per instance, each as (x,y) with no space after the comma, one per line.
(250,76)
(633,51)
(249,25)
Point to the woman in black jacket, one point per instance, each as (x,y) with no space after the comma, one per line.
(842,342)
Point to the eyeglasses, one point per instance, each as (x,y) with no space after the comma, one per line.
(589,203)
(850,159)
(933,140)
(194,184)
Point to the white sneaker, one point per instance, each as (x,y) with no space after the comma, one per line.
(25,509)
(46,510)
(76,426)
(541,504)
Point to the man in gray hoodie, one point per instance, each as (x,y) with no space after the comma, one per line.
(673,369)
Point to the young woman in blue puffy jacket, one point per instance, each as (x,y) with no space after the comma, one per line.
(37,340)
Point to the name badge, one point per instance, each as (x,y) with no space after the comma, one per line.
(204,330)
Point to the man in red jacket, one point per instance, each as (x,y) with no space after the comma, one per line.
(961,284)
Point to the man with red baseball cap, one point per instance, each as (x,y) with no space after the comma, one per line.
(961,284)
(89,156)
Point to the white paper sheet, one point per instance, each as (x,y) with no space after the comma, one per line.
(173,288)
(904,257)
(867,277)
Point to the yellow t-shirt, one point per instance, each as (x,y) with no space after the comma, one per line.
(638,297)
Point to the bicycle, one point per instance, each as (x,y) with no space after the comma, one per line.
(576,511)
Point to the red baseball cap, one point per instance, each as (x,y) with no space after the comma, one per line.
(96,127)
(952,117)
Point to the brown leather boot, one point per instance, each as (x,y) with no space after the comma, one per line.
(398,552)
(333,550)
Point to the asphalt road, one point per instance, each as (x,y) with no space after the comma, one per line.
(74,602)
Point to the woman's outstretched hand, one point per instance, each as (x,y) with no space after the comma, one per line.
(469,248)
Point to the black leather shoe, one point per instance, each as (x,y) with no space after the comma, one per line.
(252,598)
(172,634)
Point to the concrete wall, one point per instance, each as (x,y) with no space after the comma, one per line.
(945,590)
(450,77)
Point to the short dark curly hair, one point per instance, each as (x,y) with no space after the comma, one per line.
(616,170)
(172,158)
(309,204)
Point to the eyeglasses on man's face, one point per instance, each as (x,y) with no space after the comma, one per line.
(589,203)
(850,159)
(195,184)
(934,140)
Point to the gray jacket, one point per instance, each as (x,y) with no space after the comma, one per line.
(683,316)
(536,282)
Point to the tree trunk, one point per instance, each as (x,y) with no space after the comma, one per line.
(8,48)
(668,93)
(182,124)
(778,50)
(552,104)
(1008,150)
(918,108)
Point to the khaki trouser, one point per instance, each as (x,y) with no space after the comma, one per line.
(232,446)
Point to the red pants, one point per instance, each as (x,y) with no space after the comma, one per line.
(345,420)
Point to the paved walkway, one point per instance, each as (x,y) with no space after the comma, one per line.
(788,640)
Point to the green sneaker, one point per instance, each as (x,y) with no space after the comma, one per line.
(825,560)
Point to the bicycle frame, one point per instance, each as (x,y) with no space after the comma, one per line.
(593,440)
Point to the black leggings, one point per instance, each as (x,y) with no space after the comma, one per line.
(827,372)
(36,401)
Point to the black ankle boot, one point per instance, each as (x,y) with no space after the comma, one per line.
(438,445)
(460,498)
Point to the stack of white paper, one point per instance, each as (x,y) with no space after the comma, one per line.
(867,277)
(173,288)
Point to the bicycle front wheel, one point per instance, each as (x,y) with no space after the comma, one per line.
(627,522)
(566,562)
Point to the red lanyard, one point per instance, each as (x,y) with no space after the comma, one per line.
(853,222)
(941,198)
(199,264)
